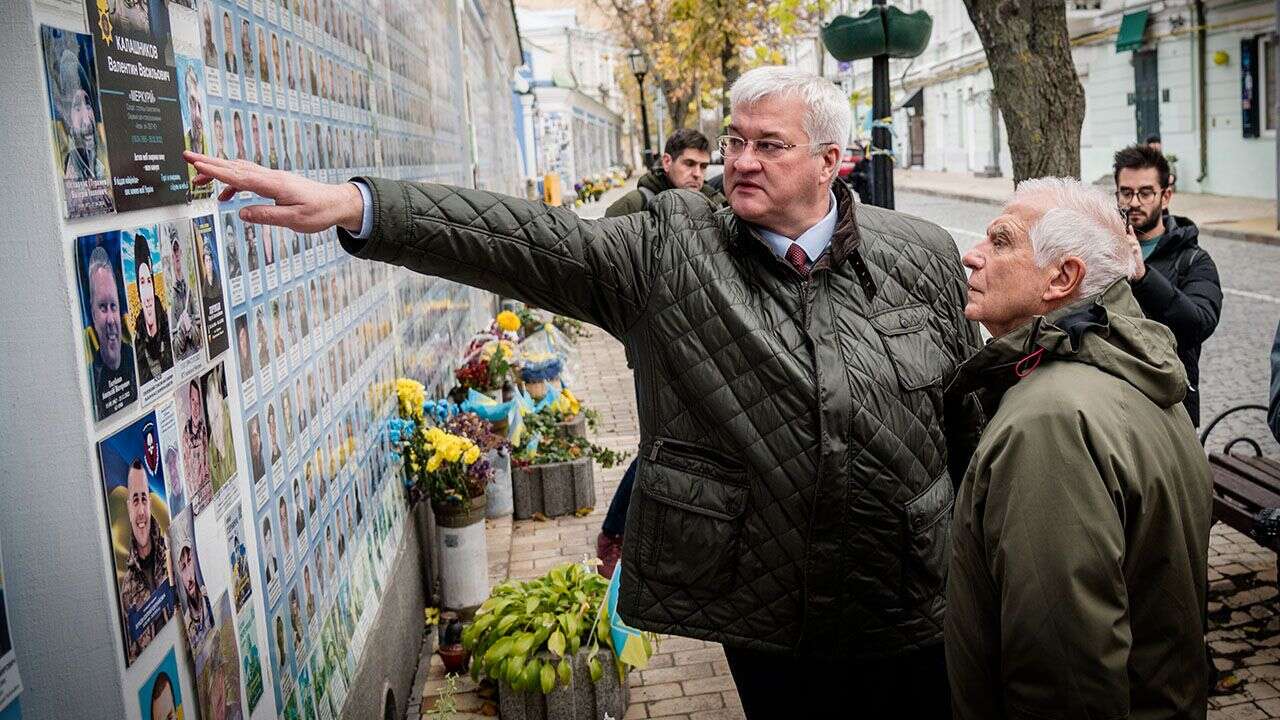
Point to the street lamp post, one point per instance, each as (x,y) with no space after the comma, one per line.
(640,68)
(881,139)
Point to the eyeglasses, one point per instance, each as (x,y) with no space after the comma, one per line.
(733,146)
(1145,194)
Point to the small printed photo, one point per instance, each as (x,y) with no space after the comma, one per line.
(277,327)
(273,433)
(273,155)
(193,596)
(208,44)
(222,451)
(255,133)
(270,563)
(109,358)
(138,524)
(184,289)
(230,62)
(251,246)
(250,662)
(160,697)
(218,690)
(268,244)
(191,95)
(243,348)
(262,332)
(238,556)
(219,134)
(213,303)
(246,47)
(193,423)
(264,67)
(254,431)
(237,129)
(286,536)
(144,282)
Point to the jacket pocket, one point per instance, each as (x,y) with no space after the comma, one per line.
(916,358)
(690,520)
(927,548)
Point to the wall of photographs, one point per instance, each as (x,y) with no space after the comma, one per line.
(236,378)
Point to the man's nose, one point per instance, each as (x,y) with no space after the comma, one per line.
(973,260)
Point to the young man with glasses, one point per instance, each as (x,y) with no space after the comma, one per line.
(1176,282)
(798,451)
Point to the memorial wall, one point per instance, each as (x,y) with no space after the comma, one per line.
(217,390)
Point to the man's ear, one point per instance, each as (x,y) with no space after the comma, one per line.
(667,162)
(1066,280)
(830,162)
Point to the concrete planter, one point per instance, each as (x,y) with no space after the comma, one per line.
(580,700)
(464,556)
(499,489)
(577,427)
(553,489)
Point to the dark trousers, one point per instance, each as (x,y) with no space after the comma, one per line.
(772,686)
(615,521)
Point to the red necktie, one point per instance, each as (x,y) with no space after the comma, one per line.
(798,259)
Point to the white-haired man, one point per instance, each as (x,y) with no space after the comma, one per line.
(1077,583)
(793,487)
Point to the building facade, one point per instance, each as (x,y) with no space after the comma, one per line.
(1199,74)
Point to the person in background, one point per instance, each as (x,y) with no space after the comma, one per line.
(1080,544)
(684,165)
(1175,280)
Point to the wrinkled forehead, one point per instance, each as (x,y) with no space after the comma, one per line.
(778,115)
(1020,213)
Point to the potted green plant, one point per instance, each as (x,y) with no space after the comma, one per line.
(546,644)
(553,474)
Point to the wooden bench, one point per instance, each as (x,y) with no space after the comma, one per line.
(1244,486)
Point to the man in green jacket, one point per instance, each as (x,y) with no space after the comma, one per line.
(685,158)
(797,452)
(1077,583)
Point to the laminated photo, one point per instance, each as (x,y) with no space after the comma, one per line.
(270,560)
(10,680)
(148,320)
(180,268)
(238,558)
(138,524)
(222,450)
(231,245)
(193,428)
(213,304)
(244,357)
(218,669)
(160,697)
(170,443)
(194,602)
(253,429)
(79,143)
(250,659)
(195,136)
(109,357)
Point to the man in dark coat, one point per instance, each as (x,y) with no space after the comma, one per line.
(1176,282)
(685,158)
(798,454)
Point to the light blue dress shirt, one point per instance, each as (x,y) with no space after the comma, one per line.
(813,241)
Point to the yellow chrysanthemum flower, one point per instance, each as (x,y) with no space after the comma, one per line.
(433,464)
(471,455)
(452,452)
(508,321)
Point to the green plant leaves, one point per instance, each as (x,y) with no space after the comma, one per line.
(548,679)
(597,672)
(565,671)
(556,643)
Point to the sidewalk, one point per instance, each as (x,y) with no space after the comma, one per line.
(1238,218)
(595,210)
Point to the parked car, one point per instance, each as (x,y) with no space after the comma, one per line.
(852,156)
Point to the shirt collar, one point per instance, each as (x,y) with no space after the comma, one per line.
(813,241)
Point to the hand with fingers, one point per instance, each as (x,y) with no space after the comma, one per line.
(301,204)
(1135,249)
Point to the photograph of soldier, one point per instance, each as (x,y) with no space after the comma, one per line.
(308,476)
(295,616)
(79,143)
(149,318)
(229,61)
(268,243)
(286,164)
(135,19)
(285,537)
(242,346)
(277,327)
(184,292)
(213,305)
(270,565)
(238,558)
(108,353)
(275,58)
(255,449)
(264,67)
(194,429)
(193,596)
(191,94)
(160,698)
(299,515)
(273,433)
(138,524)
(222,451)
(303,314)
(251,247)
(219,135)
(255,134)
(262,332)
(207,42)
(237,129)
(218,669)
(246,47)
(310,596)
(278,634)
(286,412)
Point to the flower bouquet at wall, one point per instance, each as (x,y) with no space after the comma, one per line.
(540,640)
(496,456)
(446,468)
(487,369)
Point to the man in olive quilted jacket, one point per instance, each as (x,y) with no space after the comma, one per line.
(797,456)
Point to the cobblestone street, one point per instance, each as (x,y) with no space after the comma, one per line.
(690,679)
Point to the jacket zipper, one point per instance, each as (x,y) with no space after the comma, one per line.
(694,452)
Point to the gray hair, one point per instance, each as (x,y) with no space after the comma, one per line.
(99,260)
(827,118)
(1080,221)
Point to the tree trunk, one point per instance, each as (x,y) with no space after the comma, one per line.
(677,103)
(1036,86)
(728,70)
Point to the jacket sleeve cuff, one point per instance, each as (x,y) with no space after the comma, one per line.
(1153,291)
(381,233)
